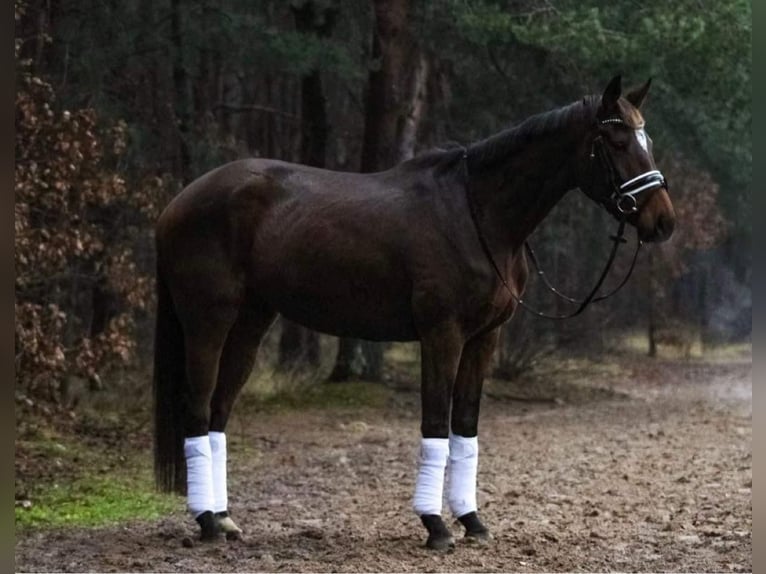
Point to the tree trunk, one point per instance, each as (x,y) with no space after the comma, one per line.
(701,309)
(181,93)
(412,120)
(299,346)
(394,106)
(346,363)
(388,85)
(652,326)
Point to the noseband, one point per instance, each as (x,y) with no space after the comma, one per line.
(623,196)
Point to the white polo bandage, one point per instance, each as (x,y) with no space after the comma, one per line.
(429,487)
(199,474)
(462,470)
(218,447)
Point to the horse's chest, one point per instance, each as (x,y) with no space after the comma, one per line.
(498,300)
(493,312)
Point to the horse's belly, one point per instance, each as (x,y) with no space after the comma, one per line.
(334,321)
(375,322)
(346,305)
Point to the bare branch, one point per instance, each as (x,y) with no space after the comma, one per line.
(255,108)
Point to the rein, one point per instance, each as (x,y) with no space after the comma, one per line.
(632,187)
(552,289)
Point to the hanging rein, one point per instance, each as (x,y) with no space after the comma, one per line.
(622,199)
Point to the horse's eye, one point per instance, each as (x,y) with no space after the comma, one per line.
(620,144)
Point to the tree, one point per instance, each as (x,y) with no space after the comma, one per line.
(298,345)
(78,288)
(205,82)
(394,104)
(516,60)
(701,226)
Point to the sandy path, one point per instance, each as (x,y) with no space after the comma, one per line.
(658,481)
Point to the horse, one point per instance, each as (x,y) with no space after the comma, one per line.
(390,256)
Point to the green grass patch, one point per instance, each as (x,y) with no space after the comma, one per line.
(689,346)
(63,481)
(94,501)
(353,394)
(728,352)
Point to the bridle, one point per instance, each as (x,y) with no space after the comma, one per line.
(623,196)
(622,199)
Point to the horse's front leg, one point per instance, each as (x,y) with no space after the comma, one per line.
(463,440)
(440,356)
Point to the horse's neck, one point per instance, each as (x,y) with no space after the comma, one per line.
(513,195)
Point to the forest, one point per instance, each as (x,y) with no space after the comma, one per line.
(617,440)
(120,104)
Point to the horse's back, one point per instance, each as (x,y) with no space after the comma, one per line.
(332,253)
(314,244)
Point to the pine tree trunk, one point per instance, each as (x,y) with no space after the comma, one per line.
(414,114)
(652,326)
(345,362)
(181,92)
(297,345)
(393,110)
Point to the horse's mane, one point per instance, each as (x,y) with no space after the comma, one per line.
(498,147)
(434,156)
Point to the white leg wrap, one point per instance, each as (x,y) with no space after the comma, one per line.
(199,474)
(430,483)
(218,446)
(463,467)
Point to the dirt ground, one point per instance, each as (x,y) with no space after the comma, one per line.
(651,472)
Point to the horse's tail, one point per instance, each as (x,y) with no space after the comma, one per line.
(169,400)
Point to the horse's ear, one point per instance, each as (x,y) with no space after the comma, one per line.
(638,95)
(612,93)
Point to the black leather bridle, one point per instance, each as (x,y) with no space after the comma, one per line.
(623,195)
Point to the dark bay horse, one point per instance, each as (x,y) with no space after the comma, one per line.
(390,256)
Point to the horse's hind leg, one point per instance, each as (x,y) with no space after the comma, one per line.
(204,337)
(236,364)
(463,440)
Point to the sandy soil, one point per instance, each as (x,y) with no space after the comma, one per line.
(654,474)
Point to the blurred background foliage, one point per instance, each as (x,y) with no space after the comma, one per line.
(120,104)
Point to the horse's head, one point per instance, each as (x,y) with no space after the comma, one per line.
(619,170)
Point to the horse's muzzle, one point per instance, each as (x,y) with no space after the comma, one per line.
(661,231)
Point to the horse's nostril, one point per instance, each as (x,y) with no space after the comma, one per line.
(665,226)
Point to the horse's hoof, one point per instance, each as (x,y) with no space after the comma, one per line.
(440,543)
(228,526)
(475,531)
(209,530)
(478,537)
(439,537)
